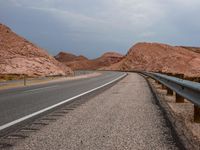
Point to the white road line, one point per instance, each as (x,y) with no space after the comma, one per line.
(56,105)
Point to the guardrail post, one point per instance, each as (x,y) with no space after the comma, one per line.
(196,114)
(157,82)
(169,91)
(179,98)
(163,86)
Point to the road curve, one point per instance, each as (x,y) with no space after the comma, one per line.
(22,103)
(124,117)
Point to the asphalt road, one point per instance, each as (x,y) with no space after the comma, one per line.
(19,102)
(123,117)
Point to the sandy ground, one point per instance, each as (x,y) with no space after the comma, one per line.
(182,113)
(123,117)
(47,80)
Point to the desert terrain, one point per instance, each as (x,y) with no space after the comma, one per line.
(128,92)
(20,57)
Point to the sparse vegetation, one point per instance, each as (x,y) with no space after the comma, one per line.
(8,77)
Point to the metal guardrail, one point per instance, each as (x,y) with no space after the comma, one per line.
(188,89)
(183,89)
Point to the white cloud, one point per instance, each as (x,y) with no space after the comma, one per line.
(130,15)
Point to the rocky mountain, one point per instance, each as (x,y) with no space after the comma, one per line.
(19,56)
(160,58)
(81,62)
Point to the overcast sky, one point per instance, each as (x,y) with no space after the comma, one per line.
(92,27)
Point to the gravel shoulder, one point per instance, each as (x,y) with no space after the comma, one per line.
(123,117)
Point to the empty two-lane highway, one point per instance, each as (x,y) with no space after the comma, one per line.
(123,117)
(19,104)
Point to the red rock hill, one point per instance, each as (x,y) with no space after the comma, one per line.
(81,62)
(19,56)
(68,57)
(160,58)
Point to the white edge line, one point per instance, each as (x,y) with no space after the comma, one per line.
(56,105)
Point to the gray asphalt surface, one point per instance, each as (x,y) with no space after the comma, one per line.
(124,117)
(19,102)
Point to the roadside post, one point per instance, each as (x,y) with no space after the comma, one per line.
(24,80)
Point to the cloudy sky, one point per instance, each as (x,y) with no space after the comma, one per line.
(92,27)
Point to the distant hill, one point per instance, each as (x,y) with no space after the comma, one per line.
(195,49)
(81,62)
(160,58)
(67,57)
(19,56)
